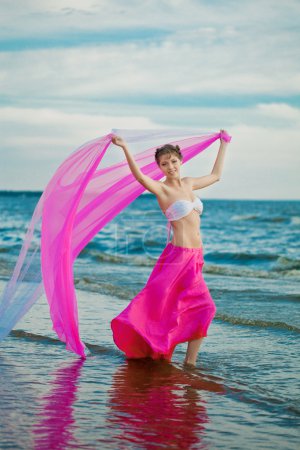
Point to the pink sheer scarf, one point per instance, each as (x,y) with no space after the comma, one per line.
(79,200)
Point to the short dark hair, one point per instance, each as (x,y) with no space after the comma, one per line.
(168,149)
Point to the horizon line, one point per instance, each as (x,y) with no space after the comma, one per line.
(18,191)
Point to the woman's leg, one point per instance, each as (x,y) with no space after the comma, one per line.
(192,351)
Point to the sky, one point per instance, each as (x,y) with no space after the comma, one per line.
(71,70)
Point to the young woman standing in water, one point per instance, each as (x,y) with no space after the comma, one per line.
(175,305)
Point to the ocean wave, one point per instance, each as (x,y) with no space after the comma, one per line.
(88,284)
(256,323)
(34,337)
(240,257)
(295,220)
(284,263)
(241,217)
(39,338)
(260,218)
(219,261)
(241,272)
(131,260)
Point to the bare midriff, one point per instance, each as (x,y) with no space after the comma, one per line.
(186,231)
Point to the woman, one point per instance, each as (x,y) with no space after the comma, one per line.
(175,304)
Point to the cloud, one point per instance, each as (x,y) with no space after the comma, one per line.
(72,70)
(130,71)
(45,116)
(32,16)
(246,49)
(281,111)
(47,133)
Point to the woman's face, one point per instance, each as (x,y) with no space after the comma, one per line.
(170,165)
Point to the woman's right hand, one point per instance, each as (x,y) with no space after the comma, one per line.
(117,140)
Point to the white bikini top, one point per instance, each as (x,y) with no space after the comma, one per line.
(181,208)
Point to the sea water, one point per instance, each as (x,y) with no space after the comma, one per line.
(244,392)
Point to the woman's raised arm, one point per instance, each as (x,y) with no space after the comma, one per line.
(215,175)
(151,185)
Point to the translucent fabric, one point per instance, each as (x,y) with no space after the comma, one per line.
(79,200)
(174,306)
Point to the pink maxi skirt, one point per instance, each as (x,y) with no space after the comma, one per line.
(174,306)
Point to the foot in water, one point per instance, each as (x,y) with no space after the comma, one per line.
(188,364)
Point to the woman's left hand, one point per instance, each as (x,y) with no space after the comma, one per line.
(224,138)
